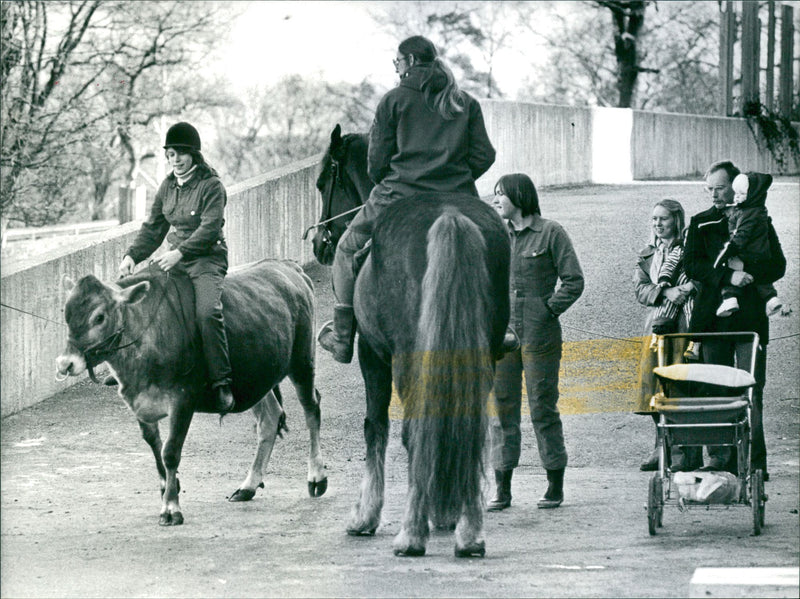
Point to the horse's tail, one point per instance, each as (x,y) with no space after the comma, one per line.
(452,370)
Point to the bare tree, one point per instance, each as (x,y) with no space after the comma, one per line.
(83,82)
(40,107)
(592,59)
(462,31)
(628,19)
(273,125)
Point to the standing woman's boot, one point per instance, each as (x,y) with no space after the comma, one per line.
(502,493)
(554,495)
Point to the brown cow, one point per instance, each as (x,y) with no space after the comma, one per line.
(143,328)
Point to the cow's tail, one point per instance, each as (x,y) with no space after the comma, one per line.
(446,407)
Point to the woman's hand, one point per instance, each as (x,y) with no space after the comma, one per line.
(169,259)
(677,295)
(126,266)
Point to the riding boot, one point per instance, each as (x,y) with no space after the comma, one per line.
(554,495)
(223,399)
(502,493)
(337,335)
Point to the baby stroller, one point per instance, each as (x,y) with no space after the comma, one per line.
(704,405)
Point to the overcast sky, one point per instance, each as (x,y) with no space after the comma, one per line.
(337,40)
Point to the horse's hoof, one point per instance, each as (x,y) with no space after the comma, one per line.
(409,551)
(244,494)
(474,550)
(173,519)
(317,489)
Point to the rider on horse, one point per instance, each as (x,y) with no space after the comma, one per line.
(192,200)
(427,135)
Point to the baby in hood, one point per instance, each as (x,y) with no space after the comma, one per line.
(748,246)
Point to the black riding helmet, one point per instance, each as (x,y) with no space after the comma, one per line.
(183,135)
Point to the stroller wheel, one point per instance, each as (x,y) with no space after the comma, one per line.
(655,503)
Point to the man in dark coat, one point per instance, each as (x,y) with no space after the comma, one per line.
(707,235)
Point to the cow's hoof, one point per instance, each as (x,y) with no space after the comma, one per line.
(354,531)
(317,489)
(410,551)
(244,494)
(473,550)
(173,519)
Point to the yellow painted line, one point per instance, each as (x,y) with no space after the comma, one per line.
(596,376)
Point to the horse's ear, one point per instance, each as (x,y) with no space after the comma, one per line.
(135,293)
(336,135)
(67,283)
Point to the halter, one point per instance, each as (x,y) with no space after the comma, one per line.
(109,345)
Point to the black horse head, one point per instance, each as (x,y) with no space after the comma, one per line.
(344,185)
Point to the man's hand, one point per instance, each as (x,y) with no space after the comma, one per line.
(169,259)
(739,278)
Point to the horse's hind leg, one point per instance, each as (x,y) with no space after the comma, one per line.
(366,515)
(270,418)
(469,531)
(303,380)
(413,536)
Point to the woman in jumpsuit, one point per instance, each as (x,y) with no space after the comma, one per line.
(427,136)
(541,255)
(192,201)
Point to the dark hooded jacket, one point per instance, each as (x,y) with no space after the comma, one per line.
(413,149)
(749,223)
(706,237)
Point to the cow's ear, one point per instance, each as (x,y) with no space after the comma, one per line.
(135,293)
(67,283)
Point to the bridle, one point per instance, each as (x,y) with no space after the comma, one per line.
(336,179)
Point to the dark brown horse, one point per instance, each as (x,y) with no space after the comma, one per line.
(144,328)
(432,306)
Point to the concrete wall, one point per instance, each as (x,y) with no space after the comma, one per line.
(668,145)
(30,344)
(552,144)
(267,215)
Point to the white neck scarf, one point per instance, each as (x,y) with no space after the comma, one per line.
(185,176)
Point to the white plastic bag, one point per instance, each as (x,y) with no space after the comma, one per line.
(707,487)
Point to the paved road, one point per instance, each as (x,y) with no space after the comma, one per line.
(79,496)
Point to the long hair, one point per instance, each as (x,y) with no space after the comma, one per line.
(449,101)
(203,167)
(520,191)
(678,217)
